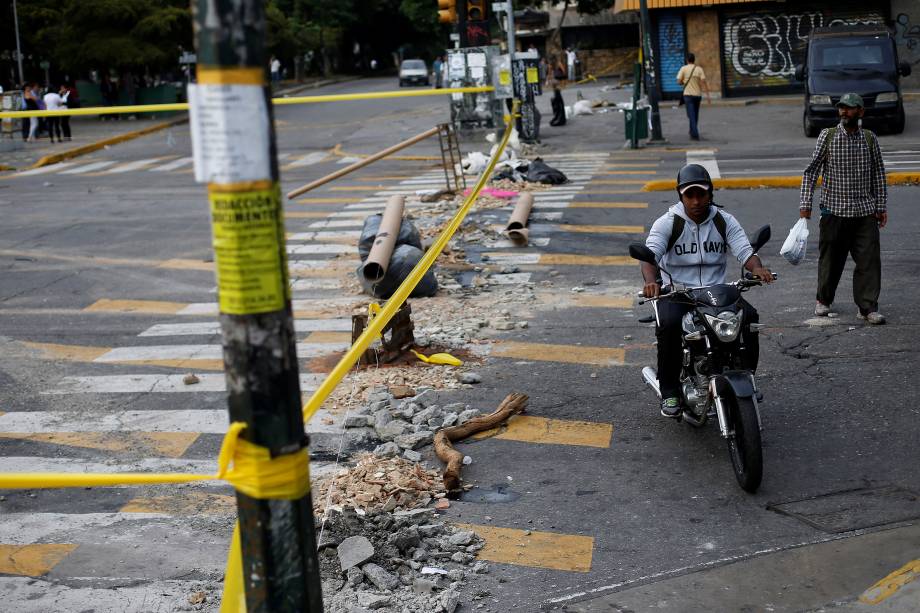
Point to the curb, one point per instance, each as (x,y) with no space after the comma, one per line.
(661,185)
(4,167)
(54,158)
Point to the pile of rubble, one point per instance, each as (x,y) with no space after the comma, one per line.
(405,562)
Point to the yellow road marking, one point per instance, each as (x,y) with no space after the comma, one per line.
(599,301)
(571,259)
(603,229)
(189,503)
(608,205)
(135,306)
(530,429)
(886,588)
(569,552)
(182,264)
(328,337)
(308,214)
(613,192)
(617,182)
(569,354)
(626,172)
(160,444)
(324,201)
(32,560)
(72,353)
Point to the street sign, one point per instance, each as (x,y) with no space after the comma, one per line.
(454,36)
(188,58)
(44,64)
(500,7)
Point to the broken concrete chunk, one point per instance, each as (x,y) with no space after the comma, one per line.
(414,440)
(354,576)
(370,600)
(463,537)
(387,450)
(449,420)
(412,456)
(406,538)
(354,550)
(450,600)
(426,398)
(402,391)
(467,415)
(356,421)
(470,377)
(382,579)
(392,430)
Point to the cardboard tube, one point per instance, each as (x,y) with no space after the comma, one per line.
(378,260)
(517,226)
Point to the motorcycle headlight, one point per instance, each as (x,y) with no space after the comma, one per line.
(726,325)
(820,99)
(887,97)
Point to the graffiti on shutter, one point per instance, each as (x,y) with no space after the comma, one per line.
(671,45)
(760,49)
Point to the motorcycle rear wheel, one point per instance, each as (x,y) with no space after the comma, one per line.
(744,447)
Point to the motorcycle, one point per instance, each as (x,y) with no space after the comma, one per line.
(715,381)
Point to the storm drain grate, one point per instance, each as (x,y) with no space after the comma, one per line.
(854,509)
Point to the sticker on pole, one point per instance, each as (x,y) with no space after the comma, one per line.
(250,263)
(229,126)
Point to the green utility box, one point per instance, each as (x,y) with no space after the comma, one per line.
(642,114)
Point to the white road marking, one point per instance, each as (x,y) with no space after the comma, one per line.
(202,421)
(348,160)
(507,244)
(88,168)
(343,235)
(145,383)
(44,169)
(705,158)
(309,159)
(213,327)
(174,165)
(512,259)
(200,352)
(135,165)
(317,248)
(211,308)
(301,285)
(337,223)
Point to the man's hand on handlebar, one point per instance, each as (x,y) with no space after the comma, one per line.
(651,290)
(763,274)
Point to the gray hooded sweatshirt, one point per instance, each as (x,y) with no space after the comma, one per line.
(698,257)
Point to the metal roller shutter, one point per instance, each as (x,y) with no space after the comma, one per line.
(672,46)
(760,49)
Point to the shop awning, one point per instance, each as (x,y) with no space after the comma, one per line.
(633,5)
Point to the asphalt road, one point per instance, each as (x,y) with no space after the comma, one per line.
(94,258)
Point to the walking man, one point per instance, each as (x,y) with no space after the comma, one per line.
(853,208)
(693,79)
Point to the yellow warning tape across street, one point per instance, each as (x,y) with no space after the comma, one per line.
(183,106)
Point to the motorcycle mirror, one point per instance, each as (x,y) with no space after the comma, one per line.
(758,238)
(638,251)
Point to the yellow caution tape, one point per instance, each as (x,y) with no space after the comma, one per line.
(438,358)
(375,327)
(183,106)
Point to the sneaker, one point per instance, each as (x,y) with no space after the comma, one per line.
(821,309)
(670,407)
(875,318)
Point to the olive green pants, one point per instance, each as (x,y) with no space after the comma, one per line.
(839,238)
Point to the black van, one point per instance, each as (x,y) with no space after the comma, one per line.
(859,59)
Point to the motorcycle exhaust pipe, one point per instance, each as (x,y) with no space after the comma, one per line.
(651,379)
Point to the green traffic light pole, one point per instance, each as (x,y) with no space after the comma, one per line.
(651,75)
(236,154)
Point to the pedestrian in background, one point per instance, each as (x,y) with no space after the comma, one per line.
(693,79)
(53,102)
(854,200)
(571,57)
(555,79)
(70,98)
(30,99)
(436,69)
(275,67)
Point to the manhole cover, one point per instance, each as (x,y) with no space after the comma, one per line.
(854,509)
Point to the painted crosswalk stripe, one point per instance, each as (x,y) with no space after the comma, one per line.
(566,552)
(569,354)
(609,205)
(106,305)
(311,249)
(349,236)
(36,595)
(202,421)
(337,223)
(153,353)
(322,200)
(213,327)
(308,160)
(535,241)
(174,165)
(89,167)
(44,169)
(211,308)
(302,285)
(559,259)
(705,158)
(130,166)
(544,431)
(151,444)
(146,383)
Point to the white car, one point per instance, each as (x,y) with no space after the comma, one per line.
(413,72)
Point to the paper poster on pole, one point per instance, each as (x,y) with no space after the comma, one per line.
(476,59)
(477,72)
(230,133)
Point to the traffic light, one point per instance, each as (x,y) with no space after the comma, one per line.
(447,11)
(475,10)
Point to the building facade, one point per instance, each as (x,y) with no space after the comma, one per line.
(751,47)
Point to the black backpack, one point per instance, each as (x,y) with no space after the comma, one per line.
(678,228)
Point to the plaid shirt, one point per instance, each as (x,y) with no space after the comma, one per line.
(854,176)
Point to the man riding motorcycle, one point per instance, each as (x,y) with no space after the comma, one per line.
(690,243)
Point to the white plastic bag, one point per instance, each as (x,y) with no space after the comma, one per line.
(793,248)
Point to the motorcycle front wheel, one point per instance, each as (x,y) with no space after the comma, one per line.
(744,445)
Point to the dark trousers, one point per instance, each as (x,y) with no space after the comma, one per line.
(670,355)
(65,126)
(558,109)
(54,126)
(692,104)
(856,236)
